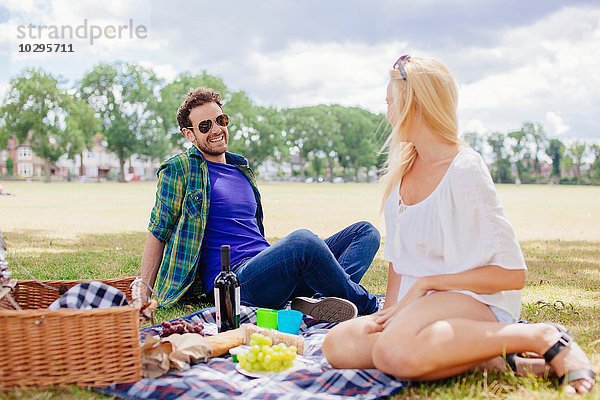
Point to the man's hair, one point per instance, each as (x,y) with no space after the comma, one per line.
(195,98)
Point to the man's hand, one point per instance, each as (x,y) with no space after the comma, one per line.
(151,259)
(145,294)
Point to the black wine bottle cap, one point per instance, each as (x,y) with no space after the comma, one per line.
(225,256)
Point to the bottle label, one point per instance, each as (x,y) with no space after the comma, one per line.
(218,309)
(237,301)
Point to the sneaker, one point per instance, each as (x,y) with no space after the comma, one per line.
(380,301)
(331,309)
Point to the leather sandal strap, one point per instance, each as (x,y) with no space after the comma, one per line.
(578,374)
(510,360)
(564,341)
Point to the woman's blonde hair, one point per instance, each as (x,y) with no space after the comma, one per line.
(429,92)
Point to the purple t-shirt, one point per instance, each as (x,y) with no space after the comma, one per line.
(231,220)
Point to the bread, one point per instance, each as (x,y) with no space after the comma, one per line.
(220,343)
(276,336)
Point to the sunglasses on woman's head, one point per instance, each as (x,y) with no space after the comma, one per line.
(206,125)
(398,64)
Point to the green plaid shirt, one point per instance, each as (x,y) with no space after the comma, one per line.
(179,217)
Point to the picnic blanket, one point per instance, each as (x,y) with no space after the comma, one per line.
(218,378)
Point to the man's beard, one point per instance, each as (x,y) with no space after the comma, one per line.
(207,150)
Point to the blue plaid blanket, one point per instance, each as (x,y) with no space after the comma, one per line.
(218,379)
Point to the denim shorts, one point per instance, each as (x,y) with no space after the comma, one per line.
(501,315)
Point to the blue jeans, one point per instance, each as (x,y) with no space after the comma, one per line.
(301,264)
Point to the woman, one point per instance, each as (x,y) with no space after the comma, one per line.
(455,268)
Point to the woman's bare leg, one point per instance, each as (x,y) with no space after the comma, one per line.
(525,366)
(446,333)
(350,344)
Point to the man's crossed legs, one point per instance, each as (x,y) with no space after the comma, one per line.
(301,264)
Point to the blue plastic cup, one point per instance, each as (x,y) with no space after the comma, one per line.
(289,321)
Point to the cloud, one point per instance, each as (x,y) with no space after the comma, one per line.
(59,13)
(3,89)
(163,71)
(556,123)
(474,125)
(310,73)
(18,6)
(514,61)
(538,67)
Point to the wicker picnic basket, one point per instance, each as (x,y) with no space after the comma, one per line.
(83,347)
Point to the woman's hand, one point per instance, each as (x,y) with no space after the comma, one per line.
(416,291)
(382,317)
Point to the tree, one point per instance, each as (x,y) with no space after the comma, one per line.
(263,137)
(521,157)
(475,140)
(538,140)
(10,165)
(358,144)
(34,110)
(254,132)
(501,166)
(82,124)
(529,143)
(312,132)
(555,151)
(595,168)
(126,98)
(318,166)
(577,151)
(296,137)
(171,96)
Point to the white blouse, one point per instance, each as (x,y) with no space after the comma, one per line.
(460,226)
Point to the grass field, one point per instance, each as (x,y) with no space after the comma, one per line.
(77,231)
(64,210)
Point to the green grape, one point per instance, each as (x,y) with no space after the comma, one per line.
(277,356)
(267,341)
(265,356)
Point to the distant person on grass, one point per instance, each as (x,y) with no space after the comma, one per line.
(455,267)
(207,197)
(4,192)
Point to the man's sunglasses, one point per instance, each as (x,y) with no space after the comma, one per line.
(398,64)
(206,125)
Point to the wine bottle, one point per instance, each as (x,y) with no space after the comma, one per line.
(227,295)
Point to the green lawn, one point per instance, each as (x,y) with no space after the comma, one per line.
(79,231)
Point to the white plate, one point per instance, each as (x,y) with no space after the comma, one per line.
(239,349)
(260,374)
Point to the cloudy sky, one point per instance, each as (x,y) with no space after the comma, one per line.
(514,60)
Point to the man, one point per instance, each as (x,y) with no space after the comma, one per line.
(207,197)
